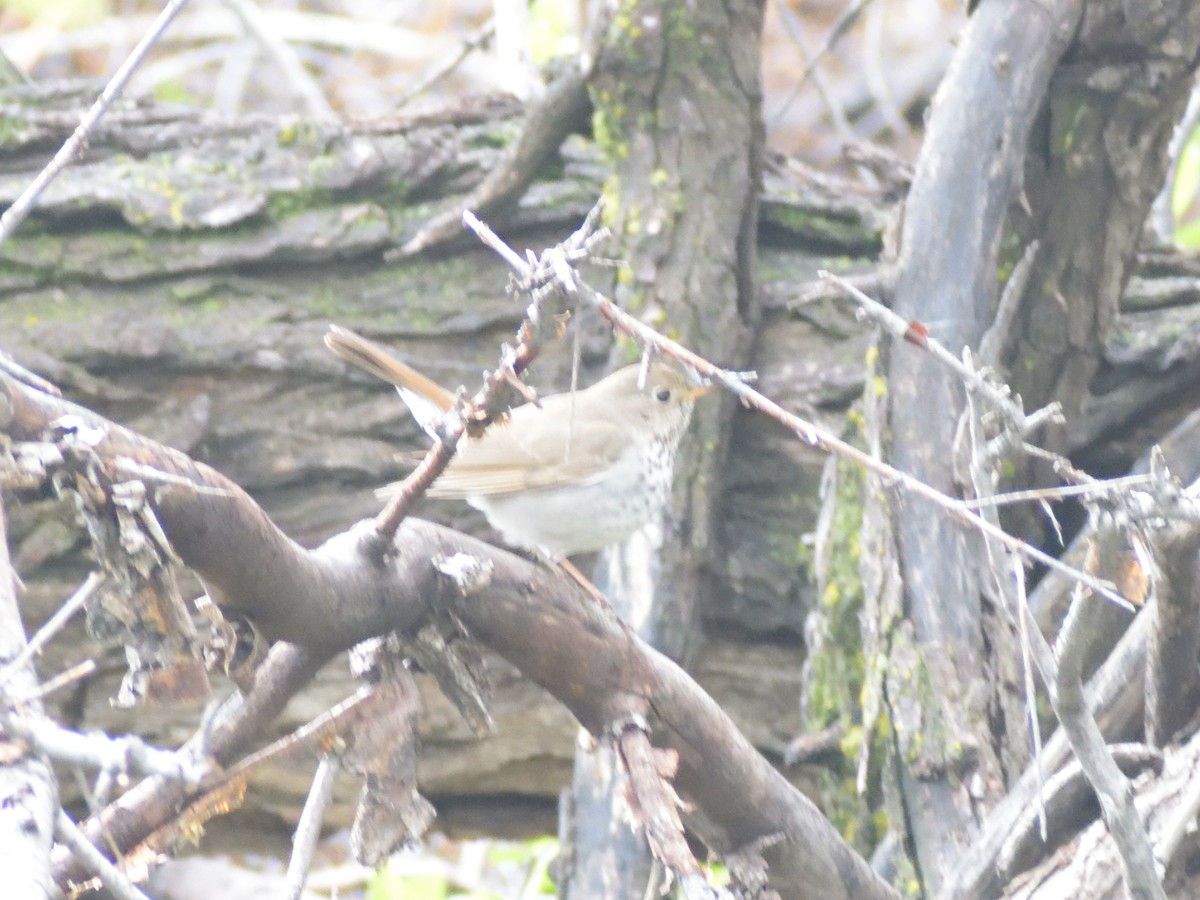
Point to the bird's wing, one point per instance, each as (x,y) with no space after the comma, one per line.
(531,451)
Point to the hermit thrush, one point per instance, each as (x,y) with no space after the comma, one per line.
(570,474)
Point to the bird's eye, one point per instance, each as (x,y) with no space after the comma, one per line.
(662,394)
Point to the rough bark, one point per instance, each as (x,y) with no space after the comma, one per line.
(682,129)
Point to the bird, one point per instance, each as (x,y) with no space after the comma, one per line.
(572,473)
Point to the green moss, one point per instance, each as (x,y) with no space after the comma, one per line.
(285,206)
(836,669)
(14,131)
(190,292)
(295,131)
(1011,250)
(835,664)
(501,136)
(177,92)
(824,228)
(1068,119)
(288,132)
(608,127)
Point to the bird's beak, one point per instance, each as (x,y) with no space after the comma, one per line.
(695,392)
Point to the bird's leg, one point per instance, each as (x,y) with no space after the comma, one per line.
(578,577)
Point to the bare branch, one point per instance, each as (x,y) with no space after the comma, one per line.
(817,436)
(155,801)
(26,778)
(653,803)
(110,876)
(308,829)
(549,120)
(1114,698)
(1116,795)
(284,58)
(52,626)
(123,756)
(472,42)
(916,333)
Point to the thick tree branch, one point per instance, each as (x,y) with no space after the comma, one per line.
(336,595)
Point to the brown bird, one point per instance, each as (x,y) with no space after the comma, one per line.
(572,474)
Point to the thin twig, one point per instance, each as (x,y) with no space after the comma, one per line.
(1025,623)
(85,668)
(791,23)
(122,755)
(284,58)
(1013,596)
(820,437)
(75,144)
(52,626)
(1087,489)
(840,28)
(998,395)
(514,359)
(876,73)
(991,345)
(490,239)
(308,829)
(474,41)
(116,881)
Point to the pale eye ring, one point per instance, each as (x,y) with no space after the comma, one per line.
(662,394)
